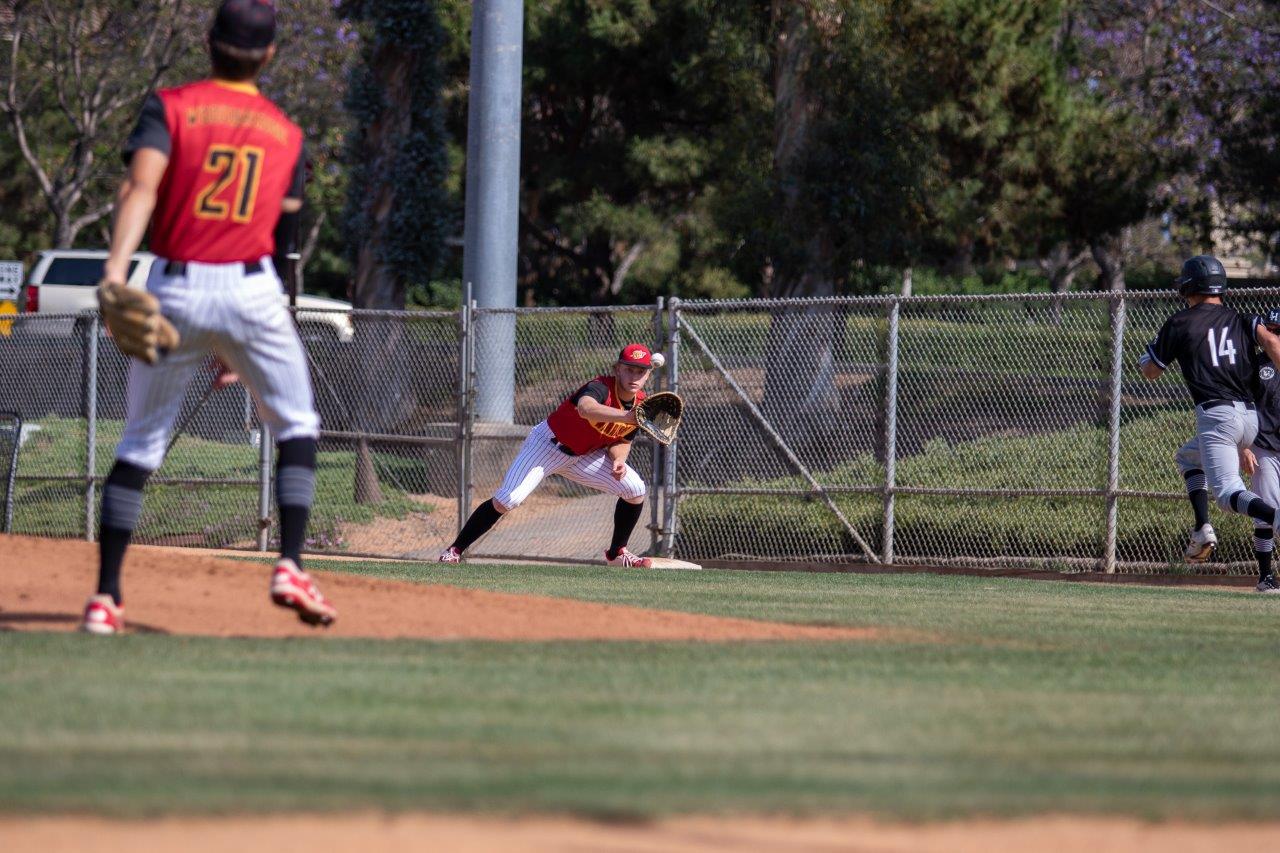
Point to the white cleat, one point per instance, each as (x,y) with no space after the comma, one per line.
(450,555)
(1201,545)
(628,560)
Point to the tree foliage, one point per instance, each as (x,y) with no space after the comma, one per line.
(397,215)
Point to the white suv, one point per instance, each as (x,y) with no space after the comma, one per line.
(63,281)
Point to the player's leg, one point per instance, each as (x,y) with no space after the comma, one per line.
(153,400)
(1223,431)
(256,338)
(1266,483)
(1203,537)
(538,457)
(596,471)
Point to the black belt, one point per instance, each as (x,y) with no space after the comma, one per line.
(180,267)
(1213,404)
(566,451)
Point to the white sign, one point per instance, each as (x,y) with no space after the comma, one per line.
(10,279)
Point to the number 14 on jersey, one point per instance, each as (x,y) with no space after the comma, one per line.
(1223,346)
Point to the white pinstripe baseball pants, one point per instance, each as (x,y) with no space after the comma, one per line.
(539,457)
(243,320)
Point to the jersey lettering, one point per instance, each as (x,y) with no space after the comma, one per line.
(241,165)
(1225,347)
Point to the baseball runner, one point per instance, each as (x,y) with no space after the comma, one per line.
(587,440)
(217,170)
(1261,462)
(1214,346)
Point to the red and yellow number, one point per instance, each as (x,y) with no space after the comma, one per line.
(241,166)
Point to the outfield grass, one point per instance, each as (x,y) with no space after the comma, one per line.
(1005,697)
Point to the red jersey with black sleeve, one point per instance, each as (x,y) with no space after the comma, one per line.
(233,157)
(583,436)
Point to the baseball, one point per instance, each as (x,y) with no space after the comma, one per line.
(659,359)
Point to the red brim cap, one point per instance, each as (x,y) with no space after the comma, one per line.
(636,355)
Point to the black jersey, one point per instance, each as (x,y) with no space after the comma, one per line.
(1214,346)
(1267,395)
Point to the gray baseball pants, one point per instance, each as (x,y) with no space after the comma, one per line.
(1220,434)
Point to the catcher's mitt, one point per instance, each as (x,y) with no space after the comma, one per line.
(134,319)
(659,415)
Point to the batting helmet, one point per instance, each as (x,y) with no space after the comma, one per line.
(1273,317)
(1202,274)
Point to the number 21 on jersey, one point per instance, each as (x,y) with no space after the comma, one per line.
(230,164)
(1223,346)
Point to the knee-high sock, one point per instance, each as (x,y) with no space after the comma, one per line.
(1263,544)
(118,516)
(625,516)
(295,492)
(482,518)
(1247,503)
(1198,494)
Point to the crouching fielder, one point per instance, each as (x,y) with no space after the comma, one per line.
(586,440)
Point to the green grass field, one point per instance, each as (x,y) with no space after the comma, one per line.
(1001,697)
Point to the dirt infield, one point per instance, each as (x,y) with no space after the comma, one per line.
(385,834)
(45,581)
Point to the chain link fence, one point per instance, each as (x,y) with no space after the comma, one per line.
(968,430)
(1010,431)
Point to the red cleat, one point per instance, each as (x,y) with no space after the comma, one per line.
(450,555)
(102,616)
(627,560)
(293,588)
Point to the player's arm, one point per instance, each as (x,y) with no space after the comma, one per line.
(618,454)
(135,202)
(1268,341)
(1155,359)
(593,410)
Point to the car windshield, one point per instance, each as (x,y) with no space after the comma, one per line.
(78,271)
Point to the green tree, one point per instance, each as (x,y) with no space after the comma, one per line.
(397,217)
(76,74)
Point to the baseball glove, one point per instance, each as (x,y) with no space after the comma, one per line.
(135,322)
(659,415)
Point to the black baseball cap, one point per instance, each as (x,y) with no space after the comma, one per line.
(247,24)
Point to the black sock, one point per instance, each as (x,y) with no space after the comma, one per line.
(295,492)
(118,516)
(1263,545)
(625,516)
(1261,510)
(1198,495)
(485,516)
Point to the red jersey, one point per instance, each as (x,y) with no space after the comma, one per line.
(583,436)
(233,157)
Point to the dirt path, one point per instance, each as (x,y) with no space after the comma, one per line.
(373,833)
(44,583)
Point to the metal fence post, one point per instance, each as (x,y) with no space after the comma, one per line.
(890,432)
(464,390)
(470,422)
(91,424)
(670,487)
(658,500)
(1118,317)
(265,442)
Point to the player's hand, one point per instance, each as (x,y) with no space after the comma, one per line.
(1248,462)
(631,417)
(225,376)
(619,469)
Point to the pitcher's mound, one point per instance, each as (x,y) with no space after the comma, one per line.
(45,582)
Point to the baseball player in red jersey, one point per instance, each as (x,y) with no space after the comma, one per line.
(586,439)
(216,169)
